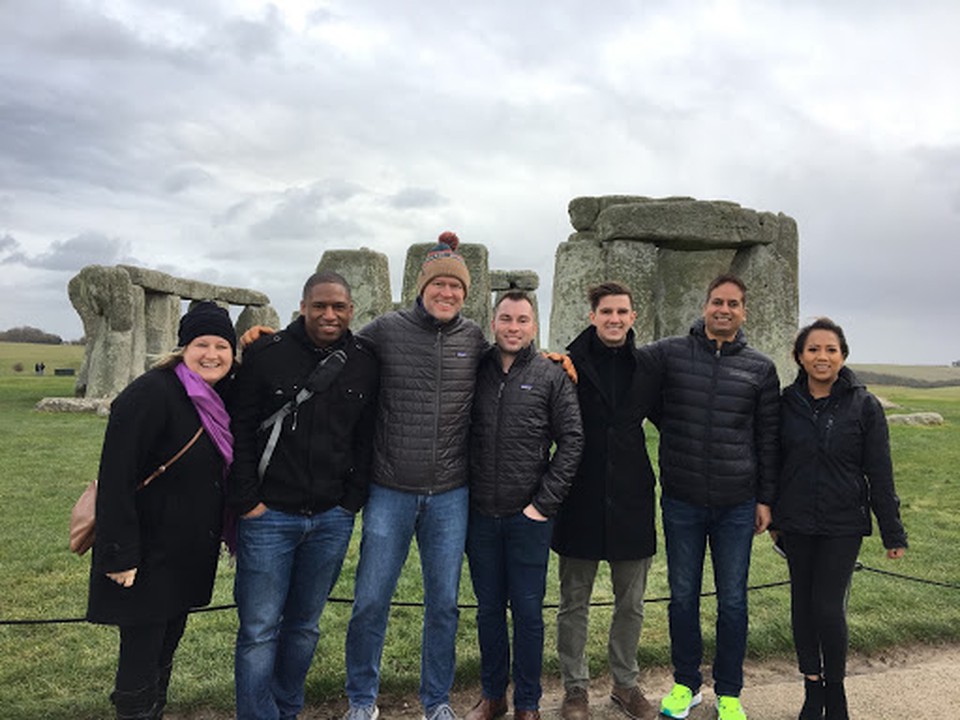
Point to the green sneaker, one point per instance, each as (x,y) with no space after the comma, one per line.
(729,708)
(678,703)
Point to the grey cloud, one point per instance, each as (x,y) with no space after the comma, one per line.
(184,179)
(8,243)
(73,254)
(414,197)
(300,212)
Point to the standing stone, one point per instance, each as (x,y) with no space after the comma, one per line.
(773,297)
(667,251)
(161,322)
(368,273)
(256,315)
(682,281)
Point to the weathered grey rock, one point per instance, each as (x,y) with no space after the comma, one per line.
(682,279)
(886,404)
(99,406)
(130,318)
(161,282)
(256,315)
(680,225)
(916,419)
(667,251)
(368,273)
(771,274)
(527,280)
(109,306)
(478,303)
(161,318)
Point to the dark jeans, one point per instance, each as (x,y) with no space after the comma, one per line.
(729,530)
(820,571)
(146,652)
(508,563)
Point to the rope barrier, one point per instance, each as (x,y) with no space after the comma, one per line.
(472,606)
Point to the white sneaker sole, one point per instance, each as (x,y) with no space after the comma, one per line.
(694,701)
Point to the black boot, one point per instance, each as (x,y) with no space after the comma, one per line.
(813,699)
(135,705)
(835,701)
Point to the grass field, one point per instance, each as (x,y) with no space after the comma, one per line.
(29,354)
(66,670)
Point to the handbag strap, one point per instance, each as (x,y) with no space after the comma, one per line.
(165,466)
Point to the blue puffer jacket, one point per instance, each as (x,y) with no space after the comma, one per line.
(836,464)
(718,421)
(427,375)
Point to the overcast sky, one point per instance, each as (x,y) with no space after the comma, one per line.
(234,141)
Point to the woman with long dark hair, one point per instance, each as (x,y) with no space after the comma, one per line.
(836,469)
(156,549)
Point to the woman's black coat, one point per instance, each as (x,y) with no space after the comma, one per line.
(170,530)
(836,464)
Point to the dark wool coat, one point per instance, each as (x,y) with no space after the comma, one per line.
(609,511)
(324,452)
(836,464)
(170,530)
(517,417)
(719,420)
(427,374)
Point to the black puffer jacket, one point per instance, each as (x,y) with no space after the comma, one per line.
(718,421)
(323,454)
(427,374)
(517,416)
(169,530)
(836,464)
(609,512)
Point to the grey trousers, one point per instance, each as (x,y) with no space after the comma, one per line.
(576,585)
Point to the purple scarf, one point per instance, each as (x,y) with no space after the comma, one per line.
(216,421)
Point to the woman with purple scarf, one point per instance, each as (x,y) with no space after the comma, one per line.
(156,548)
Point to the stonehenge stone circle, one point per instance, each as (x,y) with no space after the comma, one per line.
(667,251)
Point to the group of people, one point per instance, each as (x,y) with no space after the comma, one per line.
(493,451)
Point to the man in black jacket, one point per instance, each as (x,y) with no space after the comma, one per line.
(718,472)
(303,418)
(523,403)
(609,513)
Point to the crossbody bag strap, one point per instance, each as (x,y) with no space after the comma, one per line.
(165,466)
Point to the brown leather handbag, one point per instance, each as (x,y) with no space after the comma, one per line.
(83,520)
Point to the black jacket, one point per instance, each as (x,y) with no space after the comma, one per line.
(517,416)
(718,421)
(169,530)
(836,464)
(322,458)
(609,512)
(427,373)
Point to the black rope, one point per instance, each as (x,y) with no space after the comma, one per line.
(472,606)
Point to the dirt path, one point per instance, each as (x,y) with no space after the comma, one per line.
(893,685)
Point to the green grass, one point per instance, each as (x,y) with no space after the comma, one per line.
(66,671)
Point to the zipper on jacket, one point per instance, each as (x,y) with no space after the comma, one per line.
(436,406)
(496,447)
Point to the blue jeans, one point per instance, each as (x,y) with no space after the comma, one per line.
(286,567)
(729,529)
(390,520)
(508,563)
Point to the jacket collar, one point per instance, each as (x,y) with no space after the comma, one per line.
(699,331)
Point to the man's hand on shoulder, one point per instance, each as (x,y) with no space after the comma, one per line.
(254,334)
(565,362)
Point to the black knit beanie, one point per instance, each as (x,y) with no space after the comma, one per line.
(206,318)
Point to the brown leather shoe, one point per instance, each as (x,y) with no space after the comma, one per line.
(632,702)
(526,715)
(576,704)
(487,709)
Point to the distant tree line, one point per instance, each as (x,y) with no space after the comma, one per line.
(27,334)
